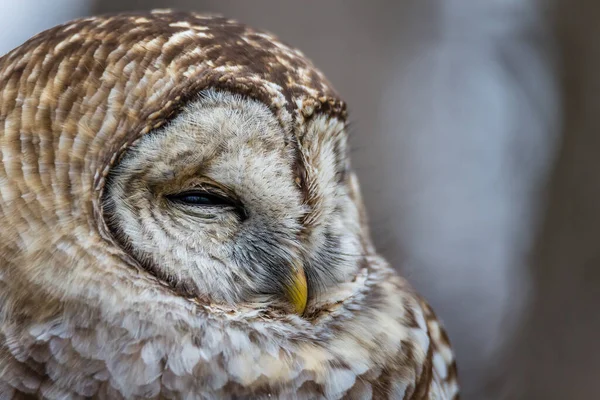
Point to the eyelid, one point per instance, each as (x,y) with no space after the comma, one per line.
(230,200)
(201,190)
(211,186)
(205,189)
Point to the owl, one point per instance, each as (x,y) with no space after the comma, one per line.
(179,220)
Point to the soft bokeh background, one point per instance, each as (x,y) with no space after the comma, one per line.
(476,135)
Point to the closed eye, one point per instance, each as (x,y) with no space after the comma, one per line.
(201,198)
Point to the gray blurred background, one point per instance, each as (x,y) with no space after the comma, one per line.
(476,137)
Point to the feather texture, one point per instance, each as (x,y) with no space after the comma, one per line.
(87,309)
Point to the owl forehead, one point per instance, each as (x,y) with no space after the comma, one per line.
(221,128)
(224,131)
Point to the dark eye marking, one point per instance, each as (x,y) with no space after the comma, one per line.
(204,198)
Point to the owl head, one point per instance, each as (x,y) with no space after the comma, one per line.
(196,156)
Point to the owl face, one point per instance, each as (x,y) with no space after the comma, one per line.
(225,205)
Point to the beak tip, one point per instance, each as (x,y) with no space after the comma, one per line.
(298,292)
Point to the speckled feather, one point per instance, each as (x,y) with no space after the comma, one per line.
(79,316)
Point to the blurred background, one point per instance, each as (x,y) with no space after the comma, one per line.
(476,135)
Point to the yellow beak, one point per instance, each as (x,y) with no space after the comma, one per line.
(298,291)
